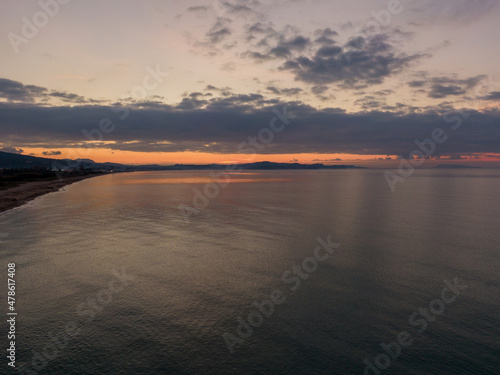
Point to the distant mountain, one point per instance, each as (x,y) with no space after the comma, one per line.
(17,161)
(454,166)
(262,165)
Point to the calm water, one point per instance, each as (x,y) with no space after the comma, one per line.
(189,282)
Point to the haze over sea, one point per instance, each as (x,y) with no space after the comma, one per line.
(188,282)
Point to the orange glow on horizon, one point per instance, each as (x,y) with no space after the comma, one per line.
(101,155)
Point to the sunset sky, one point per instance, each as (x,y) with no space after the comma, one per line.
(163,81)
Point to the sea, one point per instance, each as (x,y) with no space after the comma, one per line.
(256,272)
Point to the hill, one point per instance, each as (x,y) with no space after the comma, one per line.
(17,161)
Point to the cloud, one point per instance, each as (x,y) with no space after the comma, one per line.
(285,47)
(361,61)
(318,90)
(274,45)
(51,153)
(416,83)
(16,91)
(442,87)
(223,123)
(495,95)
(286,91)
(219,32)
(325,36)
(319,58)
(68,97)
(239,8)
(261,35)
(12,150)
(440,91)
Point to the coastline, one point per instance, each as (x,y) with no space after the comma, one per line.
(19,195)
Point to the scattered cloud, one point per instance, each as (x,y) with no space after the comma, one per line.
(361,61)
(16,91)
(68,97)
(495,95)
(442,87)
(219,31)
(284,91)
(12,150)
(51,153)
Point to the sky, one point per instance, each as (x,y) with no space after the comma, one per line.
(229,81)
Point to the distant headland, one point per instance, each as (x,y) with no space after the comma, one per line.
(10,161)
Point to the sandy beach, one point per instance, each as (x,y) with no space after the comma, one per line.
(19,195)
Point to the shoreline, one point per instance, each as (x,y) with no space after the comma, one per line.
(25,192)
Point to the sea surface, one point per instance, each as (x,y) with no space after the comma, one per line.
(188,276)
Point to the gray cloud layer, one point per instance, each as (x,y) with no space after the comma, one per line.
(223,123)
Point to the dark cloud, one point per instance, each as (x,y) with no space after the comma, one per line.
(416,83)
(51,153)
(258,56)
(223,123)
(362,61)
(370,102)
(282,48)
(440,91)
(219,31)
(191,103)
(274,90)
(262,33)
(222,91)
(442,87)
(317,90)
(270,44)
(495,95)
(12,150)
(68,97)
(325,36)
(238,9)
(291,91)
(286,91)
(16,91)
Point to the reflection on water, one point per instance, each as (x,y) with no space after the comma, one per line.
(192,281)
(198,180)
